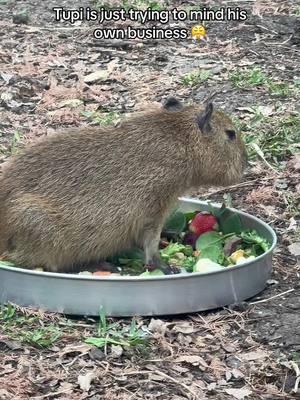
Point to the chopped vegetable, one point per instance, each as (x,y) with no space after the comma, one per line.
(231,245)
(253,237)
(196,242)
(203,222)
(190,238)
(102,273)
(236,256)
(156,272)
(206,265)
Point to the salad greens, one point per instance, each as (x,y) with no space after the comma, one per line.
(194,242)
(228,246)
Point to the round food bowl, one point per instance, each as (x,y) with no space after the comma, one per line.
(138,295)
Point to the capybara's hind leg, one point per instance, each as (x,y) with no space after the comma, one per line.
(34,234)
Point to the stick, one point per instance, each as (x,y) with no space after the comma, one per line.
(247,183)
(51,394)
(297,371)
(273,297)
(164,376)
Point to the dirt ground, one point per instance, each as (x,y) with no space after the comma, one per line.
(245,351)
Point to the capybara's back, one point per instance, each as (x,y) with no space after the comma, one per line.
(86,194)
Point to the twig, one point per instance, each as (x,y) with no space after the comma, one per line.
(238,185)
(249,183)
(273,297)
(155,371)
(284,42)
(51,394)
(267,29)
(297,371)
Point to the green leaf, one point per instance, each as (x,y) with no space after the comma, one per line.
(156,272)
(212,210)
(209,239)
(210,246)
(190,215)
(175,223)
(230,222)
(258,241)
(132,259)
(212,252)
(189,263)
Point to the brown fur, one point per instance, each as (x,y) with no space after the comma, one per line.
(86,194)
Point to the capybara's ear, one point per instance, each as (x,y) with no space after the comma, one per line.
(204,118)
(172,104)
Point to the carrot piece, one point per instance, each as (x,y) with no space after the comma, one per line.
(102,273)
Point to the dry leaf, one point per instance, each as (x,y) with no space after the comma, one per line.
(294,162)
(194,360)
(237,374)
(116,351)
(239,394)
(184,328)
(72,103)
(84,381)
(11,344)
(81,348)
(96,76)
(253,355)
(157,325)
(294,249)
(155,377)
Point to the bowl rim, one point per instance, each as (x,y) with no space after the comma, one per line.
(139,278)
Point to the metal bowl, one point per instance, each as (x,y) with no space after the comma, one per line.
(134,295)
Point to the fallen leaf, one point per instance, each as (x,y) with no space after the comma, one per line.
(293,223)
(210,387)
(294,162)
(228,375)
(96,76)
(66,386)
(116,351)
(281,183)
(6,77)
(81,349)
(179,369)
(239,394)
(4,394)
(155,377)
(194,360)
(229,348)
(294,249)
(184,328)
(236,373)
(72,103)
(96,354)
(157,325)
(11,344)
(253,355)
(84,381)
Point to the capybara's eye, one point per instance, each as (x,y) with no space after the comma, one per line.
(231,134)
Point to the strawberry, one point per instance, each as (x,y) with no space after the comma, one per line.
(203,222)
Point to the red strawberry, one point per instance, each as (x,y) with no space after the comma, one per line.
(203,222)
